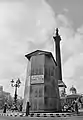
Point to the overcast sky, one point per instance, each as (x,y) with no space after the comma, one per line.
(27,25)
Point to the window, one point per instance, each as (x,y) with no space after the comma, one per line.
(35,104)
(35,93)
(52,72)
(40,92)
(46,101)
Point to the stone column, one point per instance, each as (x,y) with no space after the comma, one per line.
(57,40)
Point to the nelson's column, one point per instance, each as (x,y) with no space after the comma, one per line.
(57,40)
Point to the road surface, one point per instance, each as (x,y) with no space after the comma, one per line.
(44,118)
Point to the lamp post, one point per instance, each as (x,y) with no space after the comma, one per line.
(16,85)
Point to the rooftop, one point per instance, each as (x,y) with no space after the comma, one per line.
(39,52)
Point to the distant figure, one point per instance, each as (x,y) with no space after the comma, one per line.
(65,107)
(76,106)
(4,108)
(20,107)
(79,99)
(27,108)
(72,106)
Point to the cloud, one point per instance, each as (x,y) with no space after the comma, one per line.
(72,72)
(24,26)
(66,10)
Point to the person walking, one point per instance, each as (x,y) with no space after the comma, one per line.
(76,106)
(20,107)
(4,107)
(27,108)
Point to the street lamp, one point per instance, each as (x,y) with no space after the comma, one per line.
(16,85)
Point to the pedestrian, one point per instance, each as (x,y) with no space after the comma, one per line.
(4,108)
(27,108)
(20,107)
(72,106)
(76,106)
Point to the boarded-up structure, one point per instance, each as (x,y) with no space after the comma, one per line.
(41,88)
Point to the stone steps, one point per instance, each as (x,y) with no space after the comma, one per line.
(37,114)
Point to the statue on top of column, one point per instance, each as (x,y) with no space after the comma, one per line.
(57,32)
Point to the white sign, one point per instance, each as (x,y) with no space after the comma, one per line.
(37,79)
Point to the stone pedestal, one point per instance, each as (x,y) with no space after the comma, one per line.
(41,88)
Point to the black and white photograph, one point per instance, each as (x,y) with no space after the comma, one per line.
(41,59)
